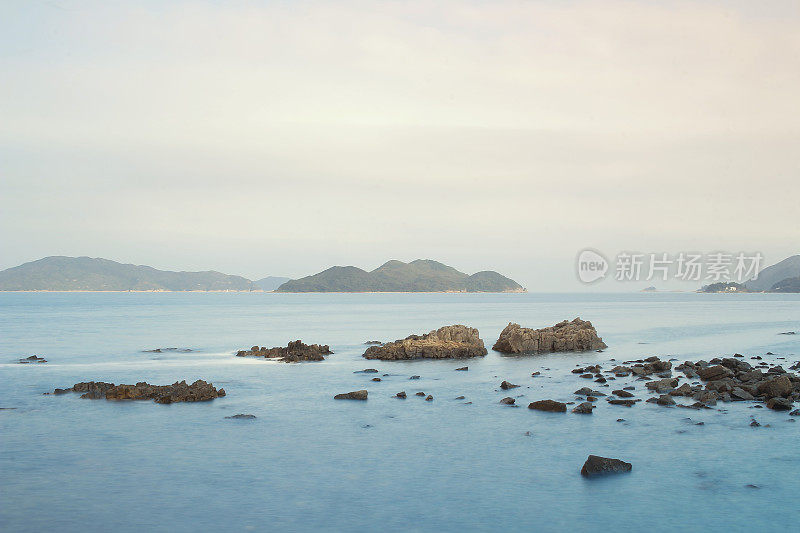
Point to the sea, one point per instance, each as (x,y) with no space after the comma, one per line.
(308,462)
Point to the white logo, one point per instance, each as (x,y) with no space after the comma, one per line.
(591,266)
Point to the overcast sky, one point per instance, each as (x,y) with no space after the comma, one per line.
(280,138)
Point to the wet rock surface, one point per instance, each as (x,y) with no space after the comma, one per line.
(180,391)
(294,352)
(448,342)
(596,465)
(31,359)
(354,395)
(566,336)
(548,405)
(241,416)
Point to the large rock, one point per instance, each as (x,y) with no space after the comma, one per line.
(604,465)
(180,391)
(548,405)
(780,386)
(575,336)
(448,342)
(293,352)
(714,373)
(355,395)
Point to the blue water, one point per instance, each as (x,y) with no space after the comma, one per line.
(309,463)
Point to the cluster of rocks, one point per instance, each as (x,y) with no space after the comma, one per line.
(575,336)
(32,359)
(294,352)
(448,342)
(180,391)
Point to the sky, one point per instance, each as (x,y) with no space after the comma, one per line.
(280,138)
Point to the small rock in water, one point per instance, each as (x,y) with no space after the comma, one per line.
(429,398)
(533,375)
(584,409)
(400,395)
(414,377)
(755,424)
(508,401)
(622,393)
(460,397)
(505,385)
(548,405)
(376,379)
(751,486)
(367,371)
(32,359)
(604,465)
(354,395)
(796,412)
(241,416)
(779,404)
(420,393)
(462,369)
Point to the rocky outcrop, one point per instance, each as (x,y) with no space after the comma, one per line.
(604,465)
(180,391)
(32,359)
(293,352)
(355,395)
(548,405)
(575,336)
(449,342)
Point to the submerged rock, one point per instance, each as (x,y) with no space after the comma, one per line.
(548,405)
(575,336)
(505,385)
(448,342)
(604,465)
(508,401)
(241,416)
(294,352)
(199,391)
(354,395)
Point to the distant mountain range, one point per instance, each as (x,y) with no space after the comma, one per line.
(777,275)
(422,275)
(61,273)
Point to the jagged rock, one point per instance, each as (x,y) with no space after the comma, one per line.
(662,385)
(779,386)
(664,399)
(622,393)
(586,391)
(32,359)
(508,401)
(448,342)
(604,465)
(354,395)
(420,393)
(414,377)
(400,395)
(294,352)
(714,373)
(241,416)
(575,336)
(779,404)
(462,369)
(506,385)
(429,398)
(584,408)
(179,391)
(548,405)
(740,394)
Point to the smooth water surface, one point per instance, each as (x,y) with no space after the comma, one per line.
(309,463)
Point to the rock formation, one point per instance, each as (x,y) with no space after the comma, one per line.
(199,391)
(575,336)
(355,395)
(448,342)
(604,465)
(294,352)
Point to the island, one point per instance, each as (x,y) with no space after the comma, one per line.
(61,273)
(421,275)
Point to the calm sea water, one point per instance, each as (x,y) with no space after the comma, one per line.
(309,463)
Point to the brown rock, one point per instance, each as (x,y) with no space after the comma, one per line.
(575,336)
(293,352)
(355,395)
(604,465)
(548,405)
(449,342)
